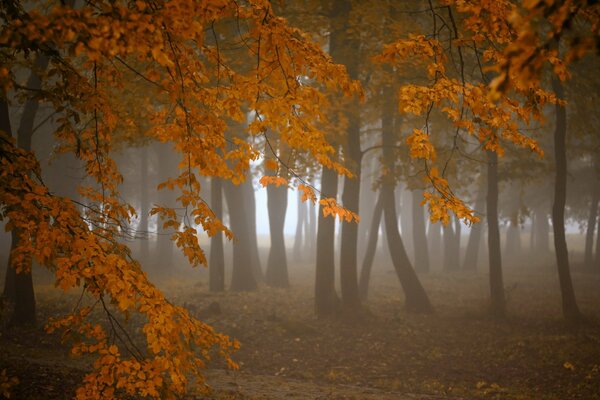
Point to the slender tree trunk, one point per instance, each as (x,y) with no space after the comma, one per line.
(311,232)
(532,234)
(419,235)
(342,49)
(434,238)
(472,251)
(144,205)
(542,231)
(570,308)
(243,277)
(298,242)
(365,272)
(326,300)
(497,300)
(250,208)
(404,203)
(451,261)
(216,263)
(591,227)
(277,271)
(19,287)
(415,295)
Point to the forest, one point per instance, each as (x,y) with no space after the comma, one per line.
(300,199)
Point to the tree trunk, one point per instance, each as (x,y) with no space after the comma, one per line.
(216,263)
(419,235)
(570,309)
(542,231)
(298,242)
(365,272)
(472,251)
(342,48)
(416,298)
(250,208)
(497,300)
(326,300)
(451,259)
(277,271)
(19,287)
(311,231)
(591,227)
(434,238)
(243,277)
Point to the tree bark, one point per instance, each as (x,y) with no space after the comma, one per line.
(472,251)
(497,299)
(277,270)
(243,277)
(326,300)
(569,304)
(416,299)
(419,236)
(342,50)
(451,259)
(373,234)
(19,287)
(216,263)
(250,208)
(591,228)
(434,238)
(298,238)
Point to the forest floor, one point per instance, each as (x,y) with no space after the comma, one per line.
(286,353)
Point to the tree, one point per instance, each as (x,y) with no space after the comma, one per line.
(197,85)
(569,304)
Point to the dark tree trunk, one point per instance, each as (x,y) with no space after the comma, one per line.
(243,277)
(250,208)
(277,271)
(472,251)
(419,235)
(326,300)
(216,263)
(342,49)
(19,287)
(415,295)
(365,272)
(298,242)
(591,228)
(497,300)
(570,308)
(144,205)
